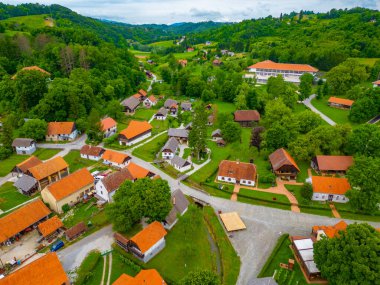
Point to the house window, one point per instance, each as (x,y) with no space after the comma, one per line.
(249,182)
(229,179)
(323,196)
(344,199)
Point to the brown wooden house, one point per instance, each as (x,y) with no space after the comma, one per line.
(283,165)
(246,118)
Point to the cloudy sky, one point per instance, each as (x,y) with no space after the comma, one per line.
(172,11)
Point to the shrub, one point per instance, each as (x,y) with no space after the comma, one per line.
(268,178)
(5,153)
(65,208)
(307,191)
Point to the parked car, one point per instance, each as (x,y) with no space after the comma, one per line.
(57,245)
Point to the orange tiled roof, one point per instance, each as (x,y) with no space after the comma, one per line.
(331,231)
(341,101)
(28,163)
(268,64)
(137,171)
(70,184)
(144,277)
(376,82)
(334,162)
(49,167)
(330,185)
(237,170)
(280,158)
(60,128)
(50,226)
(107,123)
(136,128)
(149,236)
(46,270)
(142,92)
(115,156)
(22,218)
(91,150)
(152,98)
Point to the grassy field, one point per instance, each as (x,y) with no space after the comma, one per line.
(224,107)
(33,21)
(367,61)
(144,114)
(264,199)
(46,153)
(76,162)
(303,166)
(119,266)
(281,254)
(185,55)
(10,197)
(162,44)
(149,150)
(187,247)
(339,116)
(91,269)
(7,164)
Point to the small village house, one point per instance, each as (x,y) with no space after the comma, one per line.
(161,114)
(136,131)
(172,106)
(246,118)
(340,103)
(49,171)
(75,231)
(46,270)
(148,242)
(283,165)
(141,95)
(181,135)
(303,249)
(138,172)
(186,106)
(145,276)
(18,222)
(170,148)
(263,70)
(109,127)
(26,185)
(116,159)
(61,131)
(150,101)
(376,83)
(130,104)
(190,49)
(216,135)
(221,143)
(180,206)
(24,166)
(327,231)
(237,172)
(91,152)
(69,190)
(108,186)
(180,164)
(331,164)
(210,120)
(182,62)
(330,189)
(50,228)
(24,146)
(216,62)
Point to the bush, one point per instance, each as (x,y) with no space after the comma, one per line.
(5,153)
(65,208)
(84,271)
(307,191)
(269,178)
(111,139)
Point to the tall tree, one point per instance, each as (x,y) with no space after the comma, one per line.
(7,133)
(198,133)
(94,127)
(34,129)
(231,131)
(256,137)
(365,140)
(350,258)
(306,85)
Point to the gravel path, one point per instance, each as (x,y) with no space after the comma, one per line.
(307,103)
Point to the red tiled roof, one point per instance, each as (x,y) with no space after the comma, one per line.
(268,64)
(334,162)
(246,115)
(28,163)
(115,156)
(22,218)
(46,270)
(49,167)
(280,158)
(341,101)
(91,150)
(144,277)
(237,170)
(50,226)
(107,123)
(114,180)
(60,128)
(332,231)
(137,171)
(149,236)
(136,128)
(152,98)
(330,185)
(376,82)
(142,92)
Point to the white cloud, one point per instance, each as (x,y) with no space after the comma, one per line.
(170,11)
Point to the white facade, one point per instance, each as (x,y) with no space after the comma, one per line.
(153,251)
(90,157)
(330,197)
(103,193)
(182,169)
(148,102)
(115,164)
(160,117)
(167,155)
(233,180)
(69,137)
(262,75)
(26,150)
(109,132)
(135,141)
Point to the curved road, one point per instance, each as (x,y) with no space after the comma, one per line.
(307,103)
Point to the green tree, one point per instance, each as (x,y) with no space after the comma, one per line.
(365,140)
(195,87)
(252,100)
(7,133)
(231,131)
(94,127)
(350,258)
(256,137)
(276,137)
(208,95)
(166,74)
(199,277)
(307,121)
(363,110)
(115,110)
(363,176)
(307,191)
(198,133)
(240,101)
(306,85)
(34,129)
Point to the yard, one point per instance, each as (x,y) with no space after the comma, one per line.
(281,254)
(10,197)
(149,150)
(76,162)
(7,164)
(46,153)
(143,114)
(263,199)
(121,265)
(339,116)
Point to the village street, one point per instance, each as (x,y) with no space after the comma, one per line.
(307,103)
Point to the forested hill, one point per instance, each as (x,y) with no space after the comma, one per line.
(323,40)
(111,31)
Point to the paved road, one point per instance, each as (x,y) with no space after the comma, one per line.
(307,103)
(72,256)
(77,144)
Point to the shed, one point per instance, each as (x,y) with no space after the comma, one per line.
(232,221)
(26,184)
(75,231)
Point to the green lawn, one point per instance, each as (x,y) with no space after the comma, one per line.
(339,116)
(76,162)
(163,44)
(149,150)
(159,126)
(143,114)
(10,197)
(367,61)
(185,55)
(264,199)
(187,247)
(46,153)
(32,21)
(121,265)
(91,270)
(7,164)
(224,107)
(281,254)
(303,166)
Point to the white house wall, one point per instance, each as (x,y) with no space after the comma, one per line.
(325,197)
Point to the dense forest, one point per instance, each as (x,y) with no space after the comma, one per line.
(323,40)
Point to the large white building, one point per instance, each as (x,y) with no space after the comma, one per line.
(290,72)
